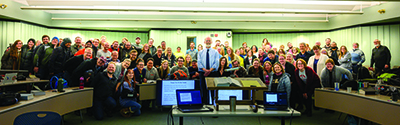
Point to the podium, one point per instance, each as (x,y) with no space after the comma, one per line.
(211,86)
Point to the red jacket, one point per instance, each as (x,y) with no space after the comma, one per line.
(313,81)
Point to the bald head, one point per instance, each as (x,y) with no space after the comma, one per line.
(208,42)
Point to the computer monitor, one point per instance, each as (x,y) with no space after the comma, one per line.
(275,100)
(166,90)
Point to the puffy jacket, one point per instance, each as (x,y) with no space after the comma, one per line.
(58,58)
(284,85)
(27,58)
(7,62)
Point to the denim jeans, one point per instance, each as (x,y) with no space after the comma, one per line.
(99,105)
(134,106)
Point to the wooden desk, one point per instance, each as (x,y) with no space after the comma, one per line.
(147,91)
(241,111)
(28,81)
(62,103)
(211,86)
(375,108)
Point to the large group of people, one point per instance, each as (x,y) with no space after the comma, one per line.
(115,69)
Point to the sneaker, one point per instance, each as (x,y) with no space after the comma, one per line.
(125,112)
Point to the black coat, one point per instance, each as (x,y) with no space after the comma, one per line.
(83,68)
(58,58)
(124,53)
(157,61)
(247,62)
(380,56)
(104,87)
(72,63)
(289,68)
(27,59)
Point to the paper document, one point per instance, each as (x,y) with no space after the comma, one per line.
(248,83)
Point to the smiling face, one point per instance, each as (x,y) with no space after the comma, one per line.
(180,62)
(31,44)
(277,69)
(208,42)
(54,42)
(149,64)
(223,61)
(96,42)
(140,65)
(289,58)
(68,45)
(329,66)
(100,62)
(111,68)
(165,65)
(268,67)
(282,60)
(106,46)
(19,45)
(130,75)
(300,65)
(256,64)
(88,54)
(128,45)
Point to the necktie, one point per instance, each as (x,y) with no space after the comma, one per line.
(208,59)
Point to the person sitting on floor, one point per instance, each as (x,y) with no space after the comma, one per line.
(128,95)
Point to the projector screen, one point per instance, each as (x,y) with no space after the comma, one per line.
(167,90)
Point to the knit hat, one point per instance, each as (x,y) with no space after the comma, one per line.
(55,38)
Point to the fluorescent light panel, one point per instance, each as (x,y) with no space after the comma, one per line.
(182,9)
(197,20)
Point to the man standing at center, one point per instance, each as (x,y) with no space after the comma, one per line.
(208,65)
(138,46)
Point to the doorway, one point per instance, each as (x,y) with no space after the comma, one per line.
(191,39)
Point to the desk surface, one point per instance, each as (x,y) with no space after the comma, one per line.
(14,71)
(241,110)
(211,85)
(375,108)
(61,103)
(24,82)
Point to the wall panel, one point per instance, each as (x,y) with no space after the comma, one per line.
(364,35)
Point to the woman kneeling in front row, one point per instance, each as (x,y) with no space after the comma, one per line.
(128,95)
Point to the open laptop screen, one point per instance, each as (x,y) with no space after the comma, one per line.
(188,97)
(275,98)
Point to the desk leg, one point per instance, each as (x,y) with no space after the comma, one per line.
(216,102)
(282,120)
(80,112)
(180,120)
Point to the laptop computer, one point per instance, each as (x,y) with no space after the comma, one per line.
(190,101)
(275,101)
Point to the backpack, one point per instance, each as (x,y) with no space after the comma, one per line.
(386,76)
(180,75)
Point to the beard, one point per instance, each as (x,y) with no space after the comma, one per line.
(110,72)
(376,45)
(208,46)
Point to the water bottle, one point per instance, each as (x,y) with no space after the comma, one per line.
(232,100)
(337,86)
(60,85)
(81,84)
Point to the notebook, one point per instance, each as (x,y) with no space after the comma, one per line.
(190,101)
(275,101)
